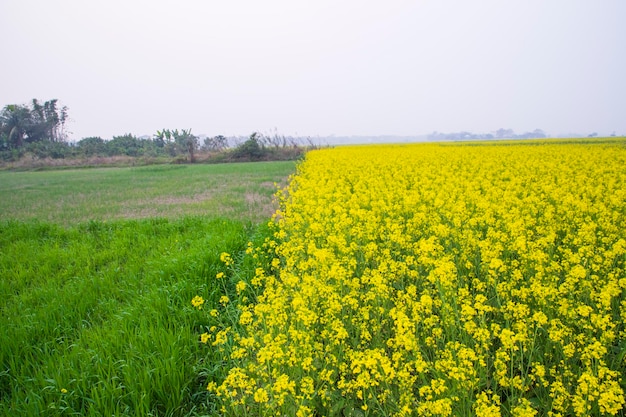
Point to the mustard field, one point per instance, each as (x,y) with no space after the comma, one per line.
(436,280)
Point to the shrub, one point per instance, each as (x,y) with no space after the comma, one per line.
(251,149)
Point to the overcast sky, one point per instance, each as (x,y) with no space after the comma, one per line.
(343,67)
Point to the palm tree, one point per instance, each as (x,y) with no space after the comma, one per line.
(15,121)
(20,124)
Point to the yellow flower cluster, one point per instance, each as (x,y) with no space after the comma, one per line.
(226,259)
(197,302)
(450,279)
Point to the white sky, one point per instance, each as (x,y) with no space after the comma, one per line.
(343,67)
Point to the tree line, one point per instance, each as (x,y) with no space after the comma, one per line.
(38,130)
(498,134)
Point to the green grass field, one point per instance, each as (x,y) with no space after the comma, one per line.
(240,191)
(97,271)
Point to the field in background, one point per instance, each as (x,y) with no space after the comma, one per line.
(97,271)
(242,191)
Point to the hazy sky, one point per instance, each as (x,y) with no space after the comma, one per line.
(322,67)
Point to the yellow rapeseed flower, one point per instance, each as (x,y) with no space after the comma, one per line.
(226,258)
(409,276)
(197,302)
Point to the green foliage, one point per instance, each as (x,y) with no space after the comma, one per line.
(22,124)
(7,152)
(171,143)
(216,143)
(34,135)
(97,320)
(252,149)
(47,149)
(124,145)
(187,143)
(14,123)
(92,146)
(177,143)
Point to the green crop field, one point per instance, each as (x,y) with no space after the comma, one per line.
(97,271)
(241,191)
